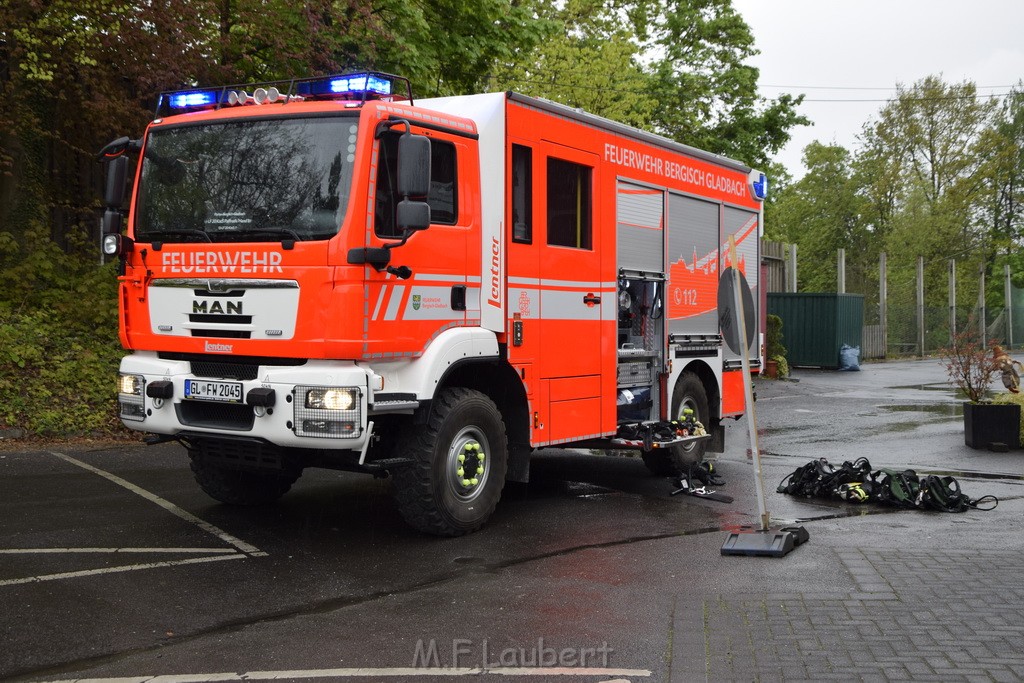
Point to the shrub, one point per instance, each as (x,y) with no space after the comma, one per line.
(969,364)
(1017,399)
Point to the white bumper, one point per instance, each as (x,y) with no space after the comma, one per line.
(288,423)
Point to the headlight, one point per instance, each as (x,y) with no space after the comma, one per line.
(131,404)
(330,399)
(327,412)
(111,244)
(130,384)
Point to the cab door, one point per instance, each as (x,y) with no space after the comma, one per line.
(575,295)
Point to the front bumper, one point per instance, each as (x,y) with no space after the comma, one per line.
(289,422)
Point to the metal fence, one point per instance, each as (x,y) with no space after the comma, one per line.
(914,309)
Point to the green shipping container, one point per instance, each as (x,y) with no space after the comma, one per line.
(816,325)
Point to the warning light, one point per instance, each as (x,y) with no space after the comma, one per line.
(193,99)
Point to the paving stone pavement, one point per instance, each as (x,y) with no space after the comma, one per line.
(922,615)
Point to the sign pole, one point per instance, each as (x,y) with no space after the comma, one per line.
(748,385)
(764,541)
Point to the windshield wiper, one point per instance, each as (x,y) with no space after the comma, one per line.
(167,235)
(286,232)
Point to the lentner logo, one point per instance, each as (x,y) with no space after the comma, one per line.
(214,347)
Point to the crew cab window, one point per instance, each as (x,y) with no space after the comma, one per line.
(443,197)
(569,204)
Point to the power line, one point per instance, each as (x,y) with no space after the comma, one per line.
(916,99)
(851,87)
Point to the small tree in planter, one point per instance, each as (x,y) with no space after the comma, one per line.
(971,368)
(775,352)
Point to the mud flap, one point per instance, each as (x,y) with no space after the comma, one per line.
(716,444)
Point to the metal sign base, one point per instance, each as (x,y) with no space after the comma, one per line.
(766,542)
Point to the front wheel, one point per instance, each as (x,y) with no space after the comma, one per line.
(240,487)
(675,460)
(459,460)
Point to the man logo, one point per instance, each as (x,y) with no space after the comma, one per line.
(416,302)
(232,307)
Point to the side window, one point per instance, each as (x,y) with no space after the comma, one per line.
(443,197)
(386,194)
(522,194)
(569,204)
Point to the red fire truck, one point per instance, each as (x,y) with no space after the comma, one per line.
(323,273)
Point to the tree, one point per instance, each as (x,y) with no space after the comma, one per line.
(590,59)
(821,213)
(706,93)
(675,68)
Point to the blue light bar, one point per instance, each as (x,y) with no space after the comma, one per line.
(192,99)
(360,83)
(349,86)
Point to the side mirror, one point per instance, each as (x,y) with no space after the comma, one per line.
(413,216)
(413,165)
(111,222)
(117,173)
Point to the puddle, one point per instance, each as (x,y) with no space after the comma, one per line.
(940,409)
(937,386)
(581,489)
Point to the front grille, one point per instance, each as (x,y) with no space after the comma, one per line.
(222,334)
(222,370)
(218,318)
(247,454)
(234,416)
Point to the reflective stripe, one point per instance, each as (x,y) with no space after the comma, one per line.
(380,301)
(397,292)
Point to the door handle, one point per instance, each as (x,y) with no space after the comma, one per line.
(591,300)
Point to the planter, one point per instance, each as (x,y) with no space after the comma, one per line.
(771,369)
(989,423)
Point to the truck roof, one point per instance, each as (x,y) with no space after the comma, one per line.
(448,104)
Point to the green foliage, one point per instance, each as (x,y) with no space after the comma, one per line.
(773,337)
(823,212)
(938,174)
(1013,399)
(783,365)
(676,68)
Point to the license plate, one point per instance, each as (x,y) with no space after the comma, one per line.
(204,390)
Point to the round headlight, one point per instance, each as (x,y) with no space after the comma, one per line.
(111,244)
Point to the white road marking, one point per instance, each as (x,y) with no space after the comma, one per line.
(115,570)
(61,551)
(410,672)
(167,505)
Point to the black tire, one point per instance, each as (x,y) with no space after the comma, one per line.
(240,487)
(439,494)
(677,460)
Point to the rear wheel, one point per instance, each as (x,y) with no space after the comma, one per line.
(458,472)
(669,462)
(240,487)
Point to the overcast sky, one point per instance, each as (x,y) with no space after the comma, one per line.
(876,44)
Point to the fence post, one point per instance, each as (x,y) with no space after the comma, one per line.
(841,271)
(982,314)
(952,299)
(791,270)
(1008,294)
(920,306)
(883,295)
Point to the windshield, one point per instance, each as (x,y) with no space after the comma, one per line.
(248,181)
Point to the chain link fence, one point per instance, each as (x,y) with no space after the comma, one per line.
(913,309)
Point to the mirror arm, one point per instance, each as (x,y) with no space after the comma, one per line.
(387,124)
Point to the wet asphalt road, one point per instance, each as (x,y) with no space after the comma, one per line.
(114,564)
